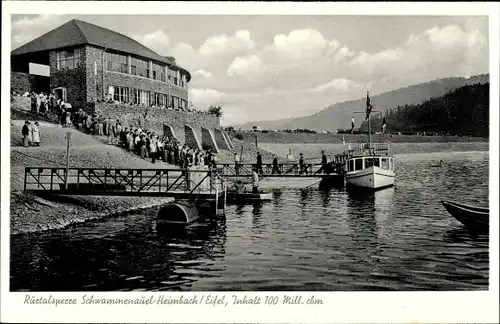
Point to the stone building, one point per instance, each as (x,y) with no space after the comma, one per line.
(89,63)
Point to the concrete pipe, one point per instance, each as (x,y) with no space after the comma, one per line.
(176,212)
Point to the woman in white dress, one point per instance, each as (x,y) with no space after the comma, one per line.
(68,119)
(36,134)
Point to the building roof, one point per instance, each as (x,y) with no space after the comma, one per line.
(77,32)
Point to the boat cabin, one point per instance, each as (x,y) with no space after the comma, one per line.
(357,163)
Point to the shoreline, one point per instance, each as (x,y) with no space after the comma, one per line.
(65,211)
(31,214)
(307,138)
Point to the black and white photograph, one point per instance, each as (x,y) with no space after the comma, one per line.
(249,153)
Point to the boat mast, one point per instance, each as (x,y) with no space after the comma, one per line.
(369,124)
(369,133)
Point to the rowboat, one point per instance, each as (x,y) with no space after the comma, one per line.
(470,216)
(242,197)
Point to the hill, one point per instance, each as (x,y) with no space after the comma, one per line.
(339,115)
(463,111)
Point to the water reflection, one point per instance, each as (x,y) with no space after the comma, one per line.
(398,238)
(464,234)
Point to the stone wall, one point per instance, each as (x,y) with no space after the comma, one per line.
(73,80)
(169,131)
(221,140)
(208,140)
(93,62)
(21,103)
(20,82)
(228,140)
(155,118)
(191,139)
(97,87)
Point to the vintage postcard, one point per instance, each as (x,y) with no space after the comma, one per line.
(249,162)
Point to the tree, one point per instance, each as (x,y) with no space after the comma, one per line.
(215,110)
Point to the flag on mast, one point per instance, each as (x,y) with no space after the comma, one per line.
(352,124)
(369,106)
(384,125)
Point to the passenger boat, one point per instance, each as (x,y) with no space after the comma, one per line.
(370,166)
(470,216)
(242,197)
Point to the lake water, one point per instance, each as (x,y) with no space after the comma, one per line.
(399,238)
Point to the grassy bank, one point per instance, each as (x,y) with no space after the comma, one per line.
(304,138)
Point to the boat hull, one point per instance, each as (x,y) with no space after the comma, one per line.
(248,197)
(471,216)
(371,178)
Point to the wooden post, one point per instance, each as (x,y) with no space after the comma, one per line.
(256,142)
(68,139)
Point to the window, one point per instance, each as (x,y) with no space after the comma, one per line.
(350,166)
(142,97)
(133,95)
(160,99)
(368,162)
(68,60)
(385,163)
(376,162)
(118,93)
(359,164)
(139,67)
(116,62)
(175,102)
(158,72)
(172,76)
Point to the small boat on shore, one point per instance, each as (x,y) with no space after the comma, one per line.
(250,197)
(471,216)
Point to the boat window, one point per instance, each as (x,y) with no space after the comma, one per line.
(376,162)
(359,164)
(393,164)
(350,166)
(385,163)
(368,162)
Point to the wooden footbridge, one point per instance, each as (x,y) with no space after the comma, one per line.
(176,183)
(193,183)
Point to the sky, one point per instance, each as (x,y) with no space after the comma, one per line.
(273,67)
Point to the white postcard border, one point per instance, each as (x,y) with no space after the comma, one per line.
(338,307)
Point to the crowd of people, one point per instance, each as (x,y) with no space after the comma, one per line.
(163,148)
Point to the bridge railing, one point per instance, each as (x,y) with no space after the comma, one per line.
(106,181)
(364,148)
(282,169)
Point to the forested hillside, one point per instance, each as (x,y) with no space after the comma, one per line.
(464,111)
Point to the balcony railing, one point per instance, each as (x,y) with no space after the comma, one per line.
(365,149)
